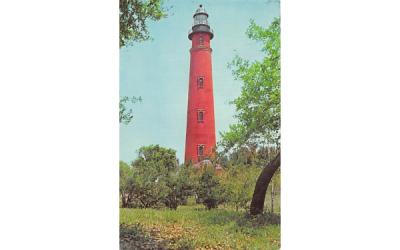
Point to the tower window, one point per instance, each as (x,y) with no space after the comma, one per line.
(200,115)
(201,40)
(200,82)
(200,150)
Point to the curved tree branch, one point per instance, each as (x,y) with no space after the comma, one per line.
(257,202)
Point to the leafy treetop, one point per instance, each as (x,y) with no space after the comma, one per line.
(258,107)
(133,17)
(159,156)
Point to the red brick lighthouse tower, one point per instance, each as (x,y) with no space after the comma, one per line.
(200,130)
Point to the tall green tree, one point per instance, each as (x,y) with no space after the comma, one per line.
(258,107)
(133,18)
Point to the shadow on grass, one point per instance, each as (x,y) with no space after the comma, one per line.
(223,217)
(260,220)
(217,216)
(134,237)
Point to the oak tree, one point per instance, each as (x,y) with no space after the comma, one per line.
(258,106)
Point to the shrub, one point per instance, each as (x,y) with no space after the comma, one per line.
(239,182)
(209,190)
(149,187)
(154,180)
(125,183)
(179,187)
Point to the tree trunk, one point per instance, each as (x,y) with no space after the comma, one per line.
(257,202)
(124,200)
(272,197)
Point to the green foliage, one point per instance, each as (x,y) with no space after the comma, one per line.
(258,106)
(125,183)
(209,190)
(125,112)
(125,174)
(161,157)
(272,203)
(155,180)
(257,131)
(133,17)
(151,172)
(180,186)
(244,156)
(149,188)
(239,182)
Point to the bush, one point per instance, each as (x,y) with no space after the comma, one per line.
(239,182)
(179,187)
(209,190)
(154,180)
(125,180)
(149,187)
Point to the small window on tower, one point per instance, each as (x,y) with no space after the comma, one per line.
(200,82)
(201,40)
(200,150)
(200,115)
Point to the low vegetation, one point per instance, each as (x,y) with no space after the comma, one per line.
(194,227)
(165,205)
(155,180)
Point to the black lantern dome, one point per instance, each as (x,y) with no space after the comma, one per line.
(200,23)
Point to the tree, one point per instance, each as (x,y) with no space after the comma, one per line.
(149,187)
(209,190)
(161,157)
(258,106)
(238,181)
(155,179)
(260,190)
(133,17)
(125,183)
(151,170)
(180,187)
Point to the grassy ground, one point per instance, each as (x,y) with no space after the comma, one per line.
(193,227)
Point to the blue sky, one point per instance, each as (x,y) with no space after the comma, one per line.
(158,70)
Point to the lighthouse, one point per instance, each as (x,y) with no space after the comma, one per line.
(200,129)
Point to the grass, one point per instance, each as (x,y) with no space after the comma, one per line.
(193,227)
